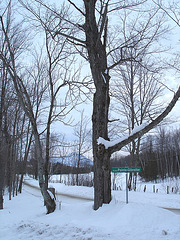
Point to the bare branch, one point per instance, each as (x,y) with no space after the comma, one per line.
(147,128)
(69,37)
(104,21)
(74,5)
(125,6)
(121,61)
(176,20)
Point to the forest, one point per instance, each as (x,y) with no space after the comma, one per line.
(159,156)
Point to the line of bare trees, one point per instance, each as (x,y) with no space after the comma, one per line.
(44,91)
(160,156)
(14,131)
(48,89)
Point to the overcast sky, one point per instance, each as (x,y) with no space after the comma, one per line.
(172,82)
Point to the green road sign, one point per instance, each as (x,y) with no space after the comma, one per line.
(126,169)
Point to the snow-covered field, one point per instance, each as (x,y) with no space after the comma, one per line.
(24,217)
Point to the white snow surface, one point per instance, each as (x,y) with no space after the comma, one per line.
(24,217)
(108,144)
(139,128)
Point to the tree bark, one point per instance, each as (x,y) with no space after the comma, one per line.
(2,161)
(98,65)
(27,149)
(49,202)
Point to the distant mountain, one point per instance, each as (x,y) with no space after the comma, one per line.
(72,160)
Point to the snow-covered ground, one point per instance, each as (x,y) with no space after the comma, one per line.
(24,217)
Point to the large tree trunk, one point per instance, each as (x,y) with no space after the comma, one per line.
(102,178)
(98,63)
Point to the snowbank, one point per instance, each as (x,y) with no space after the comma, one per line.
(24,218)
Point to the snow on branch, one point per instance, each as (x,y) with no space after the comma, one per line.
(138,128)
(107,144)
(139,131)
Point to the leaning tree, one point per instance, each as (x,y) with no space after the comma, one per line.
(32,98)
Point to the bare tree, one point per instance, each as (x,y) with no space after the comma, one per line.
(28,140)
(24,99)
(12,134)
(160,155)
(95,42)
(83,136)
(89,36)
(137,88)
(11,121)
(2,152)
(87,30)
(171,9)
(60,74)
(46,82)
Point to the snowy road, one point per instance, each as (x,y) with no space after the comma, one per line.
(66,198)
(174,210)
(71,198)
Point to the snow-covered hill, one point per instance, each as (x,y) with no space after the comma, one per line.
(72,160)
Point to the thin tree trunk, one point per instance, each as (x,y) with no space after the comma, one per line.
(2,174)
(28,144)
(2,158)
(49,202)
